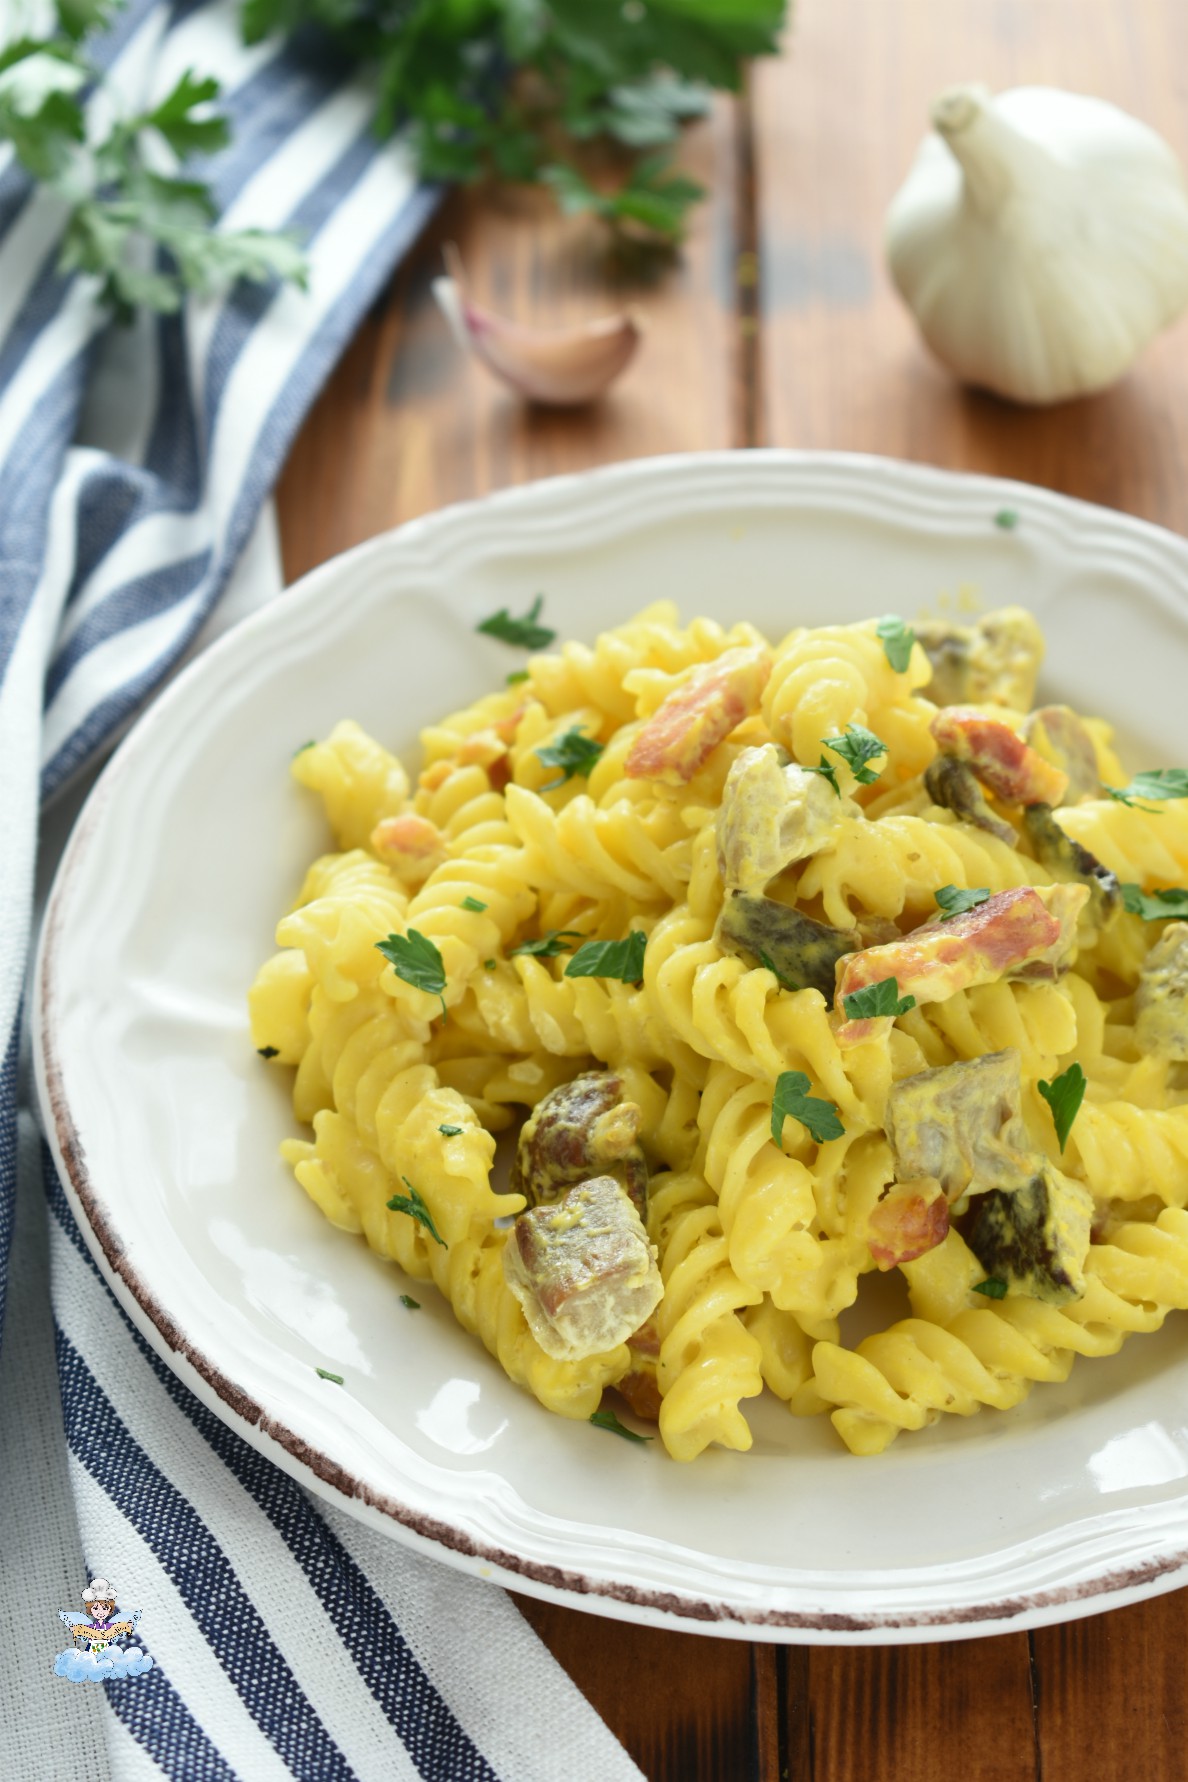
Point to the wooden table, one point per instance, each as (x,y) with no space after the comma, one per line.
(779,327)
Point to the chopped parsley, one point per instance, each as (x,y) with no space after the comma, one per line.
(516,676)
(769,964)
(1064,1095)
(552,942)
(412,1204)
(472,903)
(524,633)
(413,1305)
(608,1420)
(324,1374)
(490,964)
(610,959)
(415,959)
(828,772)
(955,902)
(897,639)
(857,748)
(449,1131)
(573,753)
(1007,518)
(268,1051)
(992,1287)
(791,1101)
(1157,783)
(882,998)
(1154,906)
(309,745)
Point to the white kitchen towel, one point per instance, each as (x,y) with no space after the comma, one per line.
(286,1640)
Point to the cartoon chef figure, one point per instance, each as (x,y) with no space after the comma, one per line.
(99,1630)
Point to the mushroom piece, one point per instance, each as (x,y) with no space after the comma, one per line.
(952,784)
(583,1270)
(962,1126)
(1036,1237)
(802,952)
(1028,931)
(1058,734)
(996,661)
(1000,759)
(1071,863)
(1161,1001)
(580,1129)
(698,714)
(772,813)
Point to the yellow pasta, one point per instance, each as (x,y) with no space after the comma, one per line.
(898,1024)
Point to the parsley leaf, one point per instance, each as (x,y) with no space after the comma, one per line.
(622,959)
(268,1051)
(858,747)
(653,199)
(406,1299)
(472,903)
(608,1420)
(992,1287)
(449,1131)
(1064,1095)
(882,998)
(1007,518)
(791,1101)
(769,964)
(1157,783)
(955,902)
(550,944)
(524,633)
(897,639)
(573,753)
(324,1374)
(516,676)
(300,751)
(415,959)
(412,1204)
(1154,906)
(828,772)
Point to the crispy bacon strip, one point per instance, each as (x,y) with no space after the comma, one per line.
(412,846)
(932,963)
(1002,761)
(698,715)
(912,1219)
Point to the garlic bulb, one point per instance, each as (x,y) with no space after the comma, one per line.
(558,366)
(1040,239)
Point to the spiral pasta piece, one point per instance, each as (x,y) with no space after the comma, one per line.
(348,903)
(1146,847)
(360,782)
(709,1361)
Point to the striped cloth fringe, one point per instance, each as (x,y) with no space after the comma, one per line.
(288,1640)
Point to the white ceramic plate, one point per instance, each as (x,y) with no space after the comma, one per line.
(166,1126)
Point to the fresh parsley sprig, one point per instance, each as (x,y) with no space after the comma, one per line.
(1155,906)
(1064,1095)
(622,959)
(897,640)
(573,752)
(524,633)
(1155,785)
(792,1101)
(882,998)
(991,1287)
(549,944)
(955,902)
(608,1420)
(857,748)
(412,1204)
(415,959)
(145,235)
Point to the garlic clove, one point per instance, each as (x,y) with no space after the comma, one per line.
(561,367)
(1040,240)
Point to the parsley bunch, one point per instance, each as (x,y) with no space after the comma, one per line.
(524,89)
(145,234)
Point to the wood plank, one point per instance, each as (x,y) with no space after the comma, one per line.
(407,423)
(683,1706)
(838,120)
(912,1713)
(1114,1685)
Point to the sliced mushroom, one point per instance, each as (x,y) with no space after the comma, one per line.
(1071,863)
(772,813)
(1058,734)
(800,950)
(1036,1238)
(1161,1001)
(962,1125)
(583,1270)
(996,661)
(581,1129)
(952,785)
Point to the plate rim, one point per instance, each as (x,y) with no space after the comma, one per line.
(1160,1571)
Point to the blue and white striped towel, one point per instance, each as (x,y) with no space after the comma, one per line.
(288,1640)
